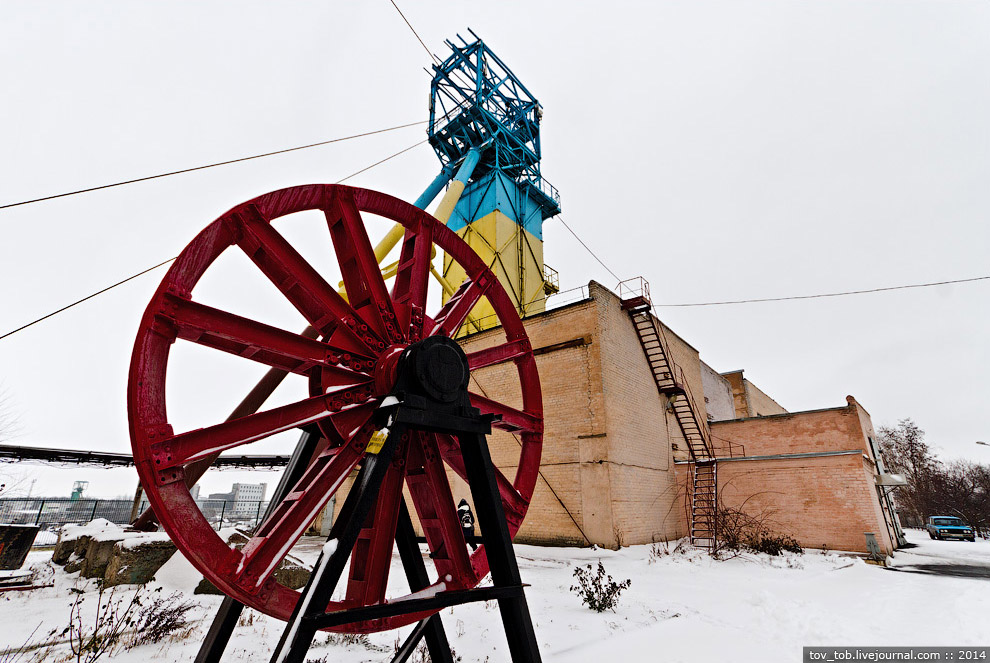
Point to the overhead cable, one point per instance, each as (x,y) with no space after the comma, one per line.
(828,294)
(588,249)
(80,301)
(163,263)
(378,163)
(425,47)
(212,165)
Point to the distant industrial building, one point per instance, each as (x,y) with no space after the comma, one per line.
(243,499)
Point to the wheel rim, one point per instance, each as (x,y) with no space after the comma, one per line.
(347,369)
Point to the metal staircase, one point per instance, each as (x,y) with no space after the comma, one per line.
(673,387)
(704,497)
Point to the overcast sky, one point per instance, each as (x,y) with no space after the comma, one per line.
(722,150)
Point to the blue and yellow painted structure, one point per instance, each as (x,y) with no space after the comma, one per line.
(485,121)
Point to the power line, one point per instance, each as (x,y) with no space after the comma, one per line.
(161,264)
(378,163)
(588,249)
(212,165)
(422,43)
(829,294)
(99,292)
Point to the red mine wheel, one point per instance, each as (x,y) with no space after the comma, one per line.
(347,381)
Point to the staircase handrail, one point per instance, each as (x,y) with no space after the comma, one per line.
(635,287)
(731,449)
(706,438)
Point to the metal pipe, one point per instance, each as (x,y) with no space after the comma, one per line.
(438,183)
(456,188)
(442,213)
(398,230)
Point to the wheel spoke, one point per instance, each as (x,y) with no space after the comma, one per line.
(276,536)
(456,310)
(498,354)
(434,502)
(213,328)
(193,445)
(363,282)
(313,297)
(511,419)
(344,425)
(413,271)
(372,555)
(514,503)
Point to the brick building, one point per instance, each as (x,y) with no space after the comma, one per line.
(813,473)
(615,461)
(616,465)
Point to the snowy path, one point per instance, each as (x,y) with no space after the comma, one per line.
(947,551)
(955,558)
(682,607)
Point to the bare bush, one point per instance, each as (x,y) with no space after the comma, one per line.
(740,530)
(161,618)
(421,654)
(90,642)
(664,548)
(597,589)
(352,640)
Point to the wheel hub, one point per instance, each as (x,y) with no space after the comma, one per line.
(436,367)
(386,369)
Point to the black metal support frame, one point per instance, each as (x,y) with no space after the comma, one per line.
(507,587)
(432,397)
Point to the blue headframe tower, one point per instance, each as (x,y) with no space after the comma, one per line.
(486,123)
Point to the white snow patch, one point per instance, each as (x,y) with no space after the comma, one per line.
(135,539)
(177,574)
(94,528)
(680,607)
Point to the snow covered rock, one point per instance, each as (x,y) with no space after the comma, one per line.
(135,560)
(74,539)
(101,549)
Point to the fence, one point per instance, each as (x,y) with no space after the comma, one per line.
(52,513)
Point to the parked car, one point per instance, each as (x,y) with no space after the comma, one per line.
(949,527)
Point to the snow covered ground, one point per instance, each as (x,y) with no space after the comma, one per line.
(680,607)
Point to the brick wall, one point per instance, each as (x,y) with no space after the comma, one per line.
(608,473)
(639,431)
(835,429)
(607,470)
(748,399)
(760,404)
(819,500)
(570,496)
(735,380)
(719,404)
